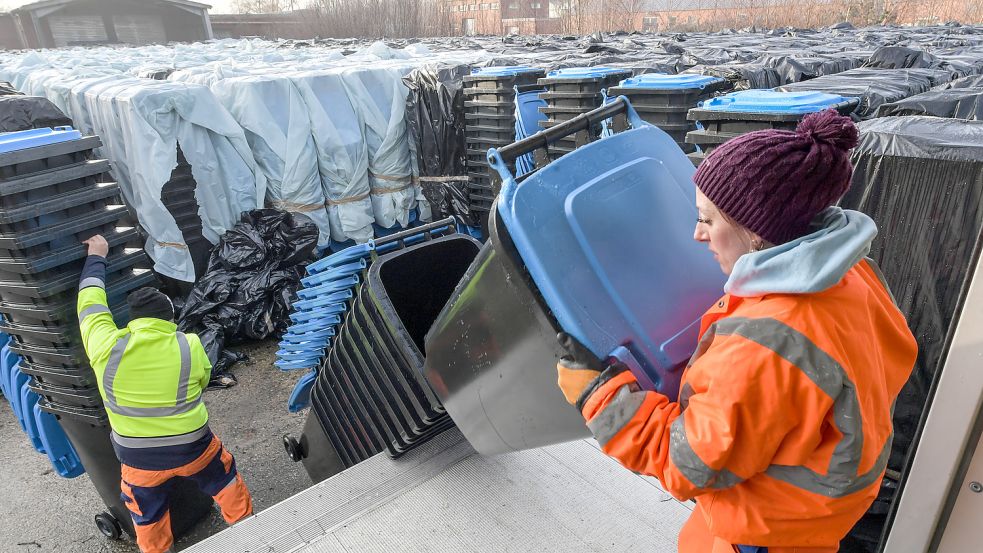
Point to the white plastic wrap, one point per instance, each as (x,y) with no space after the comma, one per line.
(379,96)
(154,116)
(275,119)
(342,153)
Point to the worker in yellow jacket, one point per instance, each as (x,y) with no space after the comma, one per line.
(151,378)
(782,428)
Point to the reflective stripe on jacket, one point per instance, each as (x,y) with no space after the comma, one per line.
(150,376)
(783,426)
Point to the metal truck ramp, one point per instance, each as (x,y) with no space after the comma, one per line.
(445,497)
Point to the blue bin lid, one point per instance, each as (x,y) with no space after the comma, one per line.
(606,233)
(665,81)
(584,72)
(773,101)
(28,399)
(503,70)
(32,138)
(527,113)
(62,455)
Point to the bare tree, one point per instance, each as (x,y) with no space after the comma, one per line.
(265,6)
(626,13)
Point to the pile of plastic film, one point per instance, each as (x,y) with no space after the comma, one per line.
(252,276)
(435,123)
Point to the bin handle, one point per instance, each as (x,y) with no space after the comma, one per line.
(644,378)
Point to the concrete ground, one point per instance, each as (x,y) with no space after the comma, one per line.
(42,512)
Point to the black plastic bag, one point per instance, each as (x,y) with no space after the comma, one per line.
(436,123)
(20,113)
(251,280)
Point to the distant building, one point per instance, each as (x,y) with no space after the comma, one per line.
(59,23)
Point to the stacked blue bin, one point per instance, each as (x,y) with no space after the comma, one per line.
(725,117)
(571,92)
(664,100)
(41,428)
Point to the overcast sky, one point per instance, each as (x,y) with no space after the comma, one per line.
(218,6)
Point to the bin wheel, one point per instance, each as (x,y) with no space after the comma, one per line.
(293,448)
(109,526)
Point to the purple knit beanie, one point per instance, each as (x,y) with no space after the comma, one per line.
(775,182)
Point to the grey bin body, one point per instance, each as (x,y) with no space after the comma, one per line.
(492,353)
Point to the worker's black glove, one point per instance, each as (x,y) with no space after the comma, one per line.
(579,372)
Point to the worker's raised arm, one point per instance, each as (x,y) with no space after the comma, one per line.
(95,320)
(736,408)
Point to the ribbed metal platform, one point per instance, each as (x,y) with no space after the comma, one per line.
(445,497)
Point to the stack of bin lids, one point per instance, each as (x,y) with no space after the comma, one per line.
(585,72)
(773,102)
(662,81)
(593,213)
(502,71)
(32,138)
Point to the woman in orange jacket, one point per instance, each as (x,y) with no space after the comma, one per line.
(782,428)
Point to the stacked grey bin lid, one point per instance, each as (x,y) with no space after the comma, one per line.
(53,195)
(489,104)
(725,117)
(569,93)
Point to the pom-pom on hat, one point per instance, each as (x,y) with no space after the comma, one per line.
(774,183)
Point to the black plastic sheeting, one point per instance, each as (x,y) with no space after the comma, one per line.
(956,103)
(252,277)
(743,76)
(436,124)
(20,113)
(921,180)
(874,87)
(973,81)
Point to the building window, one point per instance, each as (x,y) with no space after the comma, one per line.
(536,5)
(513,5)
(474,7)
(483,7)
(494,6)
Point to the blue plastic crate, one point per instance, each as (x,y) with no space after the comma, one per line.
(606,234)
(32,138)
(773,102)
(329,287)
(28,400)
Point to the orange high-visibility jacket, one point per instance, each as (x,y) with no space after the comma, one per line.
(783,426)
